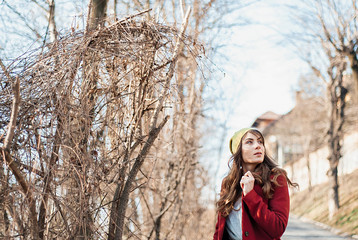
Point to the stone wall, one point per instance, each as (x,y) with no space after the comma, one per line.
(298,171)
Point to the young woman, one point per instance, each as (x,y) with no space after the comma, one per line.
(254,201)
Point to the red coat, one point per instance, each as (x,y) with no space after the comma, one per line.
(262,219)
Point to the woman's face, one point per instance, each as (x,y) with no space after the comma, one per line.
(252,151)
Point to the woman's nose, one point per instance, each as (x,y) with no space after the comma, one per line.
(258,146)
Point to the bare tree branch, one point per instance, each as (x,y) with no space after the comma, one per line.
(37,34)
(177,50)
(14,112)
(5,151)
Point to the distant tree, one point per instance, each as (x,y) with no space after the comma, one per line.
(330,29)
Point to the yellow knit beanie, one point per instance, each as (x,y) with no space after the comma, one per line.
(235,140)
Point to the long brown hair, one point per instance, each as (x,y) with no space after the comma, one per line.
(230,188)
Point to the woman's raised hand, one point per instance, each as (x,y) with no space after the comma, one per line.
(247,182)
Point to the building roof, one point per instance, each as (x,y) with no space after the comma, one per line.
(265,119)
(269,116)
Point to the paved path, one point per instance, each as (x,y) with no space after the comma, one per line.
(303,230)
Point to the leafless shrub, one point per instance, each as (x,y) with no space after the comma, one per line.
(92,105)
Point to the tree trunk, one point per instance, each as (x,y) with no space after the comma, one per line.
(123,200)
(335,134)
(51,21)
(98,13)
(158,221)
(307,157)
(354,65)
(4,219)
(333,197)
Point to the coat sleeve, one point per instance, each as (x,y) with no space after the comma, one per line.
(271,217)
(220,224)
(216,234)
(219,228)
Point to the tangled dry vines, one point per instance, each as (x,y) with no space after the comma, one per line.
(90,103)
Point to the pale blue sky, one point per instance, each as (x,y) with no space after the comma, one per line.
(264,69)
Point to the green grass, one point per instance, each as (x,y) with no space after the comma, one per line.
(314,204)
